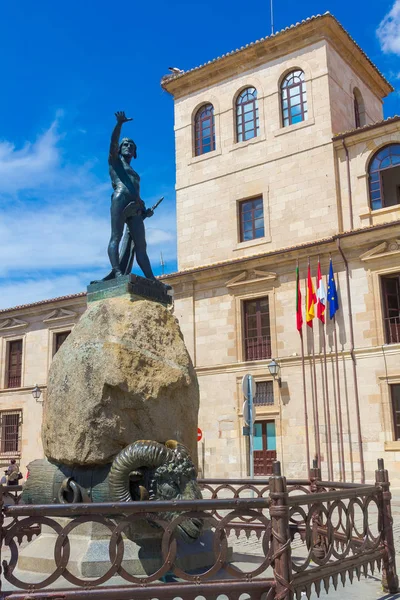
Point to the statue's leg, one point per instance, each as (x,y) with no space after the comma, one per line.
(117,227)
(137,231)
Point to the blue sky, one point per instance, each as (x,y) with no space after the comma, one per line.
(67,67)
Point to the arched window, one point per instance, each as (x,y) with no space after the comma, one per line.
(294,98)
(247,121)
(204,130)
(359,111)
(384,177)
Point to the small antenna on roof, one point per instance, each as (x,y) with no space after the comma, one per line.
(272,17)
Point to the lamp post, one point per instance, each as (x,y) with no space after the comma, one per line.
(274,369)
(36,393)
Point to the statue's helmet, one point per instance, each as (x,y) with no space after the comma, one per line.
(126,139)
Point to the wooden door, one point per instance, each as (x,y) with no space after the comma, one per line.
(264,447)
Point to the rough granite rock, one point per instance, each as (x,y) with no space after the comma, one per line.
(123,374)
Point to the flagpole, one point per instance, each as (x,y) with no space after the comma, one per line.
(318,442)
(333,307)
(314,386)
(303,367)
(343,470)
(353,361)
(327,414)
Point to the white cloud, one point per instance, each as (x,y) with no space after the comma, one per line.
(30,166)
(388,31)
(70,237)
(34,290)
(55,223)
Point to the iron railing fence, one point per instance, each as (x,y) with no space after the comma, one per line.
(14,381)
(343,530)
(392,325)
(258,348)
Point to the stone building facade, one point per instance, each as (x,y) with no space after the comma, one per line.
(283,156)
(30,335)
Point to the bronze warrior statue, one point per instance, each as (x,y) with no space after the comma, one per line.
(127,208)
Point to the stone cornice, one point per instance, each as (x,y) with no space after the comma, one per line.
(46,306)
(368,132)
(261,366)
(350,239)
(289,40)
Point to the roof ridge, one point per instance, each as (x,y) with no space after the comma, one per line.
(362,128)
(172,77)
(283,250)
(39,302)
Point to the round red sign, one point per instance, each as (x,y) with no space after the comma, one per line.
(199,434)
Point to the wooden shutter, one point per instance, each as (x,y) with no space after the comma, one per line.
(391,297)
(257,334)
(14,364)
(60,339)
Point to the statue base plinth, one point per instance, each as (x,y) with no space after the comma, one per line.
(90,556)
(138,288)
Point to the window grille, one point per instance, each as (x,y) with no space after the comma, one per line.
(395,394)
(391,308)
(10,432)
(257,334)
(264,395)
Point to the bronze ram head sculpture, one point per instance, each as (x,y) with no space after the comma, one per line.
(144,470)
(148,470)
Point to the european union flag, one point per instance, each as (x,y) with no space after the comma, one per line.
(332,293)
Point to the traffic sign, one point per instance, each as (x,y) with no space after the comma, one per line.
(246,412)
(245,386)
(199,434)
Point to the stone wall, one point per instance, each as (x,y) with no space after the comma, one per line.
(361,148)
(216,317)
(37,326)
(291,167)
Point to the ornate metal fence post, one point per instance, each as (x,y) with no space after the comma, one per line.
(314,476)
(318,541)
(1,529)
(281,557)
(390,580)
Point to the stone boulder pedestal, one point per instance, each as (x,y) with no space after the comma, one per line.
(123,374)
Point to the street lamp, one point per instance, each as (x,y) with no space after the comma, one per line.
(274,369)
(36,393)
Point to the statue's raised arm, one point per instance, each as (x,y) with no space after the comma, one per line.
(114,145)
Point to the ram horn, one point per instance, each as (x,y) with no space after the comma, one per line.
(143,453)
(178,448)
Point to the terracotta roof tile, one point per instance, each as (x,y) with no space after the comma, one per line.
(49,301)
(375,125)
(173,77)
(232,261)
(226,262)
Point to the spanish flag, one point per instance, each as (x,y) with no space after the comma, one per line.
(311,299)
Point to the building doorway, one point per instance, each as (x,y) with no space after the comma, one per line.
(264,447)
